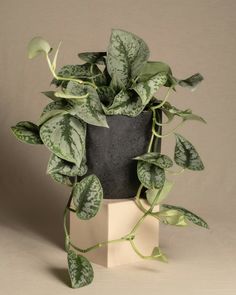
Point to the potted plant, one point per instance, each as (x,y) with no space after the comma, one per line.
(112,89)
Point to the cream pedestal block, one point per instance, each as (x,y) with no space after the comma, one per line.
(115,219)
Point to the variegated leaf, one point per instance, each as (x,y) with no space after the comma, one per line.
(188,214)
(155,196)
(58,165)
(63,179)
(125,104)
(151,176)
(90,110)
(51,95)
(87,196)
(27,132)
(147,89)
(80,270)
(157,159)
(93,57)
(186,155)
(85,72)
(106,94)
(125,56)
(52,109)
(65,135)
(157,254)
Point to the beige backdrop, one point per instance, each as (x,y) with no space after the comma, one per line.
(192,36)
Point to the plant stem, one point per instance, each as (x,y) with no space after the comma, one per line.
(164,101)
(167,134)
(138,252)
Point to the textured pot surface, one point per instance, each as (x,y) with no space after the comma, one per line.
(110,152)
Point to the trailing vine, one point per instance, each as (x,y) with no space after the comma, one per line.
(120,81)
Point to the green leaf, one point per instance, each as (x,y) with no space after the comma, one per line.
(151,194)
(63,179)
(171,217)
(80,270)
(87,196)
(58,165)
(64,135)
(93,57)
(106,94)
(125,57)
(171,111)
(53,109)
(51,95)
(147,89)
(157,254)
(152,68)
(188,214)
(90,110)
(27,132)
(157,159)
(86,72)
(38,45)
(125,104)
(186,155)
(151,176)
(191,82)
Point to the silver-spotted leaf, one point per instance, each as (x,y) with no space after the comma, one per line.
(52,109)
(58,165)
(64,135)
(87,197)
(155,196)
(38,45)
(188,214)
(125,104)
(27,132)
(125,57)
(157,159)
(151,176)
(147,89)
(157,254)
(90,110)
(80,270)
(186,155)
(93,57)
(63,179)
(51,95)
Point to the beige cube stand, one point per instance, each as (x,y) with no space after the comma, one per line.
(115,219)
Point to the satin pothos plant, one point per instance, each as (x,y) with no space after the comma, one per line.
(120,81)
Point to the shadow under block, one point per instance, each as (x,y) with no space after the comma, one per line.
(115,219)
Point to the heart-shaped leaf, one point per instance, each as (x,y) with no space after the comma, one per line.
(38,45)
(125,104)
(87,197)
(125,57)
(151,176)
(58,165)
(64,135)
(90,110)
(186,155)
(188,214)
(93,57)
(27,132)
(157,254)
(147,89)
(80,270)
(157,159)
(52,109)
(152,68)
(155,196)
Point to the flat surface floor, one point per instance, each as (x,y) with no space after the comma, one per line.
(201,262)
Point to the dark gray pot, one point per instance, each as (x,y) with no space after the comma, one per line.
(110,152)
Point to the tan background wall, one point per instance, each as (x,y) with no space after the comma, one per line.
(192,36)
